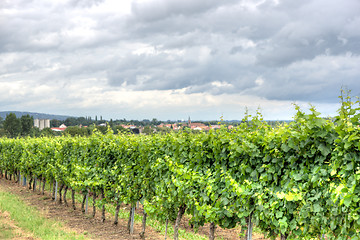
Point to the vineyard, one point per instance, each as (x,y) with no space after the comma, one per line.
(294,181)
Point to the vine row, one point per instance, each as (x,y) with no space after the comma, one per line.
(294,181)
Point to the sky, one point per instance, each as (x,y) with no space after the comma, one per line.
(175,59)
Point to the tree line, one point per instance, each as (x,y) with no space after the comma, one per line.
(23,126)
(12,126)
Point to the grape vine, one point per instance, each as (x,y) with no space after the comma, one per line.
(295,181)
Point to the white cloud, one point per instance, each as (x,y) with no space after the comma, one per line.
(171,59)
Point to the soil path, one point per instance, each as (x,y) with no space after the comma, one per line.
(9,229)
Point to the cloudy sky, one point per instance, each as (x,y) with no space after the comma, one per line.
(171,59)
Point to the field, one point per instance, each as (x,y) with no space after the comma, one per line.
(291,181)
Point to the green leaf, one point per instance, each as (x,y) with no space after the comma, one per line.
(325,150)
(279,214)
(333,225)
(297,177)
(347,144)
(280,195)
(347,200)
(317,208)
(350,166)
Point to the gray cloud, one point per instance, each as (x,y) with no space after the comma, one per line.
(272,50)
(318,80)
(85,3)
(159,10)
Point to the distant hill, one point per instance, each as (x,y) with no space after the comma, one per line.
(35,115)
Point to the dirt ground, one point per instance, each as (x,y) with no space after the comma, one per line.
(8,225)
(75,220)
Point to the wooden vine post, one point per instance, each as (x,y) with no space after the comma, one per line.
(64,196)
(87,201)
(177,221)
(249,230)
(43,187)
(55,190)
(34,184)
(73,198)
(166,227)
(116,220)
(283,236)
(142,234)
(212,231)
(103,205)
(84,193)
(132,219)
(94,204)
(60,193)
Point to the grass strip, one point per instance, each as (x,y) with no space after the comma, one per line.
(29,219)
(6,232)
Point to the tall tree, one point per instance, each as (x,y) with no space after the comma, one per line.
(27,123)
(12,125)
(155,122)
(71,121)
(47,132)
(55,123)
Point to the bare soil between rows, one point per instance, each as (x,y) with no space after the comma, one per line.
(75,220)
(16,233)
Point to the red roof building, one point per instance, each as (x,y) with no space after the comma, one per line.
(61,128)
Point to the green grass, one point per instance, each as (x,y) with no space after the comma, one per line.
(29,219)
(6,232)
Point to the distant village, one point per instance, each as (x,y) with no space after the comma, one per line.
(26,125)
(140,128)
